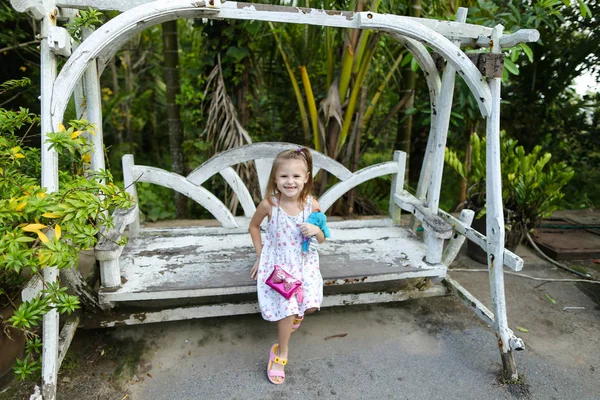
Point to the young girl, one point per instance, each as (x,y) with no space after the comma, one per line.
(287,204)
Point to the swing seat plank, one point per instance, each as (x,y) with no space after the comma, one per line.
(200,261)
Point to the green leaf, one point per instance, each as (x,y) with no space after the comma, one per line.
(238,54)
(521,329)
(414,65)
(410,111)
(584,9)
(527,50)
(511,67)
(551,299)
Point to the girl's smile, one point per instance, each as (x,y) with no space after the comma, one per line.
(291,177)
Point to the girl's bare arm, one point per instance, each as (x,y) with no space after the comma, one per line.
(313,230)
(262,211)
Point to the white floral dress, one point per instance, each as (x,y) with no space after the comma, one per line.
(283,246)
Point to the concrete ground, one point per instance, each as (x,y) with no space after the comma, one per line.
(426,349)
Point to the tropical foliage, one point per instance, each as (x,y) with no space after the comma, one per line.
(531,187)
(40,229)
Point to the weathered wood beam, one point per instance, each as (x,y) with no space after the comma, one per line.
(413,29)
(241,191)
(217,310)
(435,245)
(257,151)
(108,296)
(489,64)
(454,244)
(430,220)
(495,220)
(397,185)
(93,103)
(468,34)
(480,310)
(48,68)
(157,176)
(511,260)
(470,301)
(66,337)
(119,29)
(365,174)
(108,251)
(36,8)
(440,132)
(428,66)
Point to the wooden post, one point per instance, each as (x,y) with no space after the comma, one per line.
(443,122)
(129,182)
(434,244)
(495,220)
(93,103)
(454,244)
(50,182)
(427,65)
(397,185)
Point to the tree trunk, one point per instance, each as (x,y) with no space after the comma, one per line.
(408,81)
(357,139)
(130,90)
(472,127)
(171,62)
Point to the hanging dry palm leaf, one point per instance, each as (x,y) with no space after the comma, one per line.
(225,131)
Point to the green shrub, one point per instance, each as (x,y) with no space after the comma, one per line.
(40,229)
(532,187)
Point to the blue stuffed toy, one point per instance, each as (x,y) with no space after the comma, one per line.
(319,219)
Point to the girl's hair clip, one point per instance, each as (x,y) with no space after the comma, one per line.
(299,149)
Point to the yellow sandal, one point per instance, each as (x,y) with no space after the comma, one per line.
(274,358)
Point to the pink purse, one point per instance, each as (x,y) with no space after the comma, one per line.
(281,281)
(284,283)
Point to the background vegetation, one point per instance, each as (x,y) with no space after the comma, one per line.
(356,96)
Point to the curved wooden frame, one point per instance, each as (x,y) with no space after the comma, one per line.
(444,37)
(131,22)
(260,153)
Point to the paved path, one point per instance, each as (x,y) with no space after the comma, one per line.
(427,349)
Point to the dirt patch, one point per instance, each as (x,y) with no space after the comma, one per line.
(98,366)
(558,320)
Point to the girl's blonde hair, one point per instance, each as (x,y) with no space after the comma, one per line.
(301,153)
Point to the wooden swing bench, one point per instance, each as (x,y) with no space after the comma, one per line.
(202,269)
(206,262)
(203,264)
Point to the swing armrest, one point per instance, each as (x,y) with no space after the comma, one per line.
(431,221)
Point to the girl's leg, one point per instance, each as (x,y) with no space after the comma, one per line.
(284,331)
(298,320)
